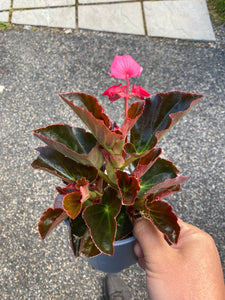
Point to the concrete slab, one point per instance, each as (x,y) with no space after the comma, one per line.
(40,3)
(179,19)
(121,18)
(100,1)
(183,19)
(5,4)
(4,16)
(63,17)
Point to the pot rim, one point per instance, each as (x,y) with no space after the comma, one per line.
(125,241)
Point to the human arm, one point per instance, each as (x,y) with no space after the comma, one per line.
(189,270)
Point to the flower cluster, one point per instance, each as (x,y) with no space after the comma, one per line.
(125,67)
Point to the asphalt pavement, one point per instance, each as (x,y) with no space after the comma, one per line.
(37,64)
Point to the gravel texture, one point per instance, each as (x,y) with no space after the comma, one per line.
(34,66)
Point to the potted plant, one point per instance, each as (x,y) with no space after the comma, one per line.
(112,174)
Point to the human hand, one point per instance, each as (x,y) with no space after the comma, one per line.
(190,270)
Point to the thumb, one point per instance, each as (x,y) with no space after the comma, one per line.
(151,240)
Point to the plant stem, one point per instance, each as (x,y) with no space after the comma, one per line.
(127,97)
(106,178)
(129,161)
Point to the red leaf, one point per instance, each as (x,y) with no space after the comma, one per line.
(128,187)
(58,201)
(167,192)
(167,184)
(133,114)
(72,204)
(84,192)
(145,163)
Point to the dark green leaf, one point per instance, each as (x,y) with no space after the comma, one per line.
(164,218)
(57,164)
(90,102)
(162,111)
(77,230)
(111,141)
(75,243)
(49,220)
(75,143)
(124,225)
(160,171)
(78,226)
(100,219)
(129,149)
(88,247)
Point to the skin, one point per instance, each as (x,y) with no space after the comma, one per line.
(189,270)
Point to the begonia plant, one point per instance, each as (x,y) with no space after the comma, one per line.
(112,174)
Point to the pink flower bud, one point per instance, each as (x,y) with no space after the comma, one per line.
(115,92)
(139,92)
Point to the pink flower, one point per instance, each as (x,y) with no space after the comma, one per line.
(139,92)
(115,92)
(124,67)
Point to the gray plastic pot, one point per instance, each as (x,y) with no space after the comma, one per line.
(123,257)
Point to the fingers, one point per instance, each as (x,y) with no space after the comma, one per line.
(138,251)
(149,237)
(190,236)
